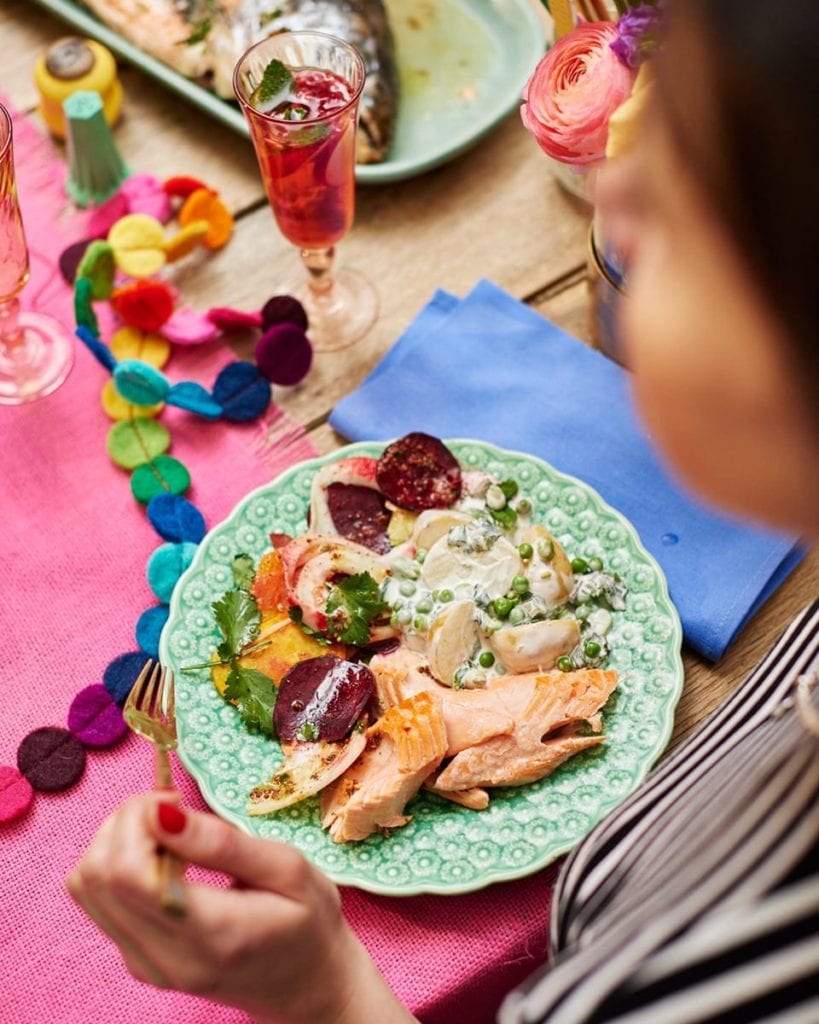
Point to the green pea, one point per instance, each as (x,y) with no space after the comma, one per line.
(395,621)
(596,564)
(592,649)
(404,616)
(520,585)
(445,596)
(501,607)
(407,588)
(582,612)
(420,555)
(565,664)
(545,550)
(580,565)
(509,488)
(525,551)
(486,659)
(524,507)
(517,615)
(424,605)
(420,622)
(512,597)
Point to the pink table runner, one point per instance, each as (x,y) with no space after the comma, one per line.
(73,549)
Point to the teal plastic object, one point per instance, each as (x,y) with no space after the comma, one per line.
(95,165)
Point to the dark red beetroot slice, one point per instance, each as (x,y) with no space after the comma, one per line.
(360,514)
(419,472)
(322,699)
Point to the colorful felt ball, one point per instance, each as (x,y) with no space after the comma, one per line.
(16,794)
(160,475)
(51,759)
(138,241)
(187,327)
(149,629)
(186,240)
(133,343)
(116,408)
(166,565)
(104,217)
(175,519)
(284,354)
(242,392)
(100,351)
(181,185)
(193,397)
(121,674)
(140,382)
(145,194)
(204,204)
(83,310)
(132,442)
(284,309)
(95,718)
(144,304)
(71,258)
(227,319)
(98,266)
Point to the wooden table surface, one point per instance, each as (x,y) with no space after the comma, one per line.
(495,212)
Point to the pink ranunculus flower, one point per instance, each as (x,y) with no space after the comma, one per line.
(573,91)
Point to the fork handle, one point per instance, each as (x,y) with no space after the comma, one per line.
(171,868)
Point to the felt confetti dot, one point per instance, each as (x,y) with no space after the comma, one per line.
(187,327)
(83,310)
(149,628)
(192,397)
(116,408)
(186,240)
(284,354)
(16,794)
(132,442)
(104,217)
(204,204)
(174,518)
(138,242)
(166,565)
(181,185)
(140,382)
(132,343)
(51,759)
(161,474)
(71,258)
(284,309)
(98,267)
(121,674)
(98,349)
(144,304)
(233,319)
(145,194)
(242,392)
(95,719)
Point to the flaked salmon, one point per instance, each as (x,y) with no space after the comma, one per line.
(402,749)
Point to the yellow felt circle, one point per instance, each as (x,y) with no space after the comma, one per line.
(138,241)
(117,408)
(186,240)
(132,343)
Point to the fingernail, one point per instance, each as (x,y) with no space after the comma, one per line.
(171,818)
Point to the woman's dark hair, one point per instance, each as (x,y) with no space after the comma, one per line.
(747,126)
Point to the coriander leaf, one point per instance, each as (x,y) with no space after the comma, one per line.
(276,79)
(507,517)
(255,696)
(238,617)
(243,571)
(297,616)
(200,32)
(352,605)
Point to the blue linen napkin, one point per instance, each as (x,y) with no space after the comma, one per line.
(491,368)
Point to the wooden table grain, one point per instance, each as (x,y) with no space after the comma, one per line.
(495,212)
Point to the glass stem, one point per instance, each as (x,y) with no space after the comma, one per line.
(319,264)
(11,334)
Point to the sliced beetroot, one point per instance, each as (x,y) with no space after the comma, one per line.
(418,472)
(322,699)
(360,514)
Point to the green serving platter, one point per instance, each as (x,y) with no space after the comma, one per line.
(462,67)
(444,849)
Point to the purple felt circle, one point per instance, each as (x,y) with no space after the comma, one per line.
(16,793)
(71,258)
(284,354)
(95,718)
(284,309)
(51,758)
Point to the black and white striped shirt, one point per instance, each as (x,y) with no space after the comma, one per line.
(698,899)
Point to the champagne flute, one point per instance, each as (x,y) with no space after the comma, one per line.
(304,136)
(36,352)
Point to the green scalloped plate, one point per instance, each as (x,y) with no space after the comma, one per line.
(444,849)
(462,66)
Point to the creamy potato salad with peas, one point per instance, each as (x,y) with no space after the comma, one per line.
(424,631)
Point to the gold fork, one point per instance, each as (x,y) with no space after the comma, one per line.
(149,711)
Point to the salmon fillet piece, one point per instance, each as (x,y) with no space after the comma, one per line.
(403,748)
(544,736)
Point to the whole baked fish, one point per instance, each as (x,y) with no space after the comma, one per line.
(204,39)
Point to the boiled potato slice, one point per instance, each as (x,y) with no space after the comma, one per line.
(435,523)
(453,637)
(534,646)
(490,571)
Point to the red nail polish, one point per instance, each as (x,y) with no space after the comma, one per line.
(171,818)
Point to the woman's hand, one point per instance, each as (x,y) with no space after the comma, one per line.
(277,946)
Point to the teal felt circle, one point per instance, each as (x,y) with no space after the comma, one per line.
(162,475)
(166,565)
(139,383)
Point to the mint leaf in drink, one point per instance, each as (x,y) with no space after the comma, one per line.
(238,617)
(255,697)
(275,81)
